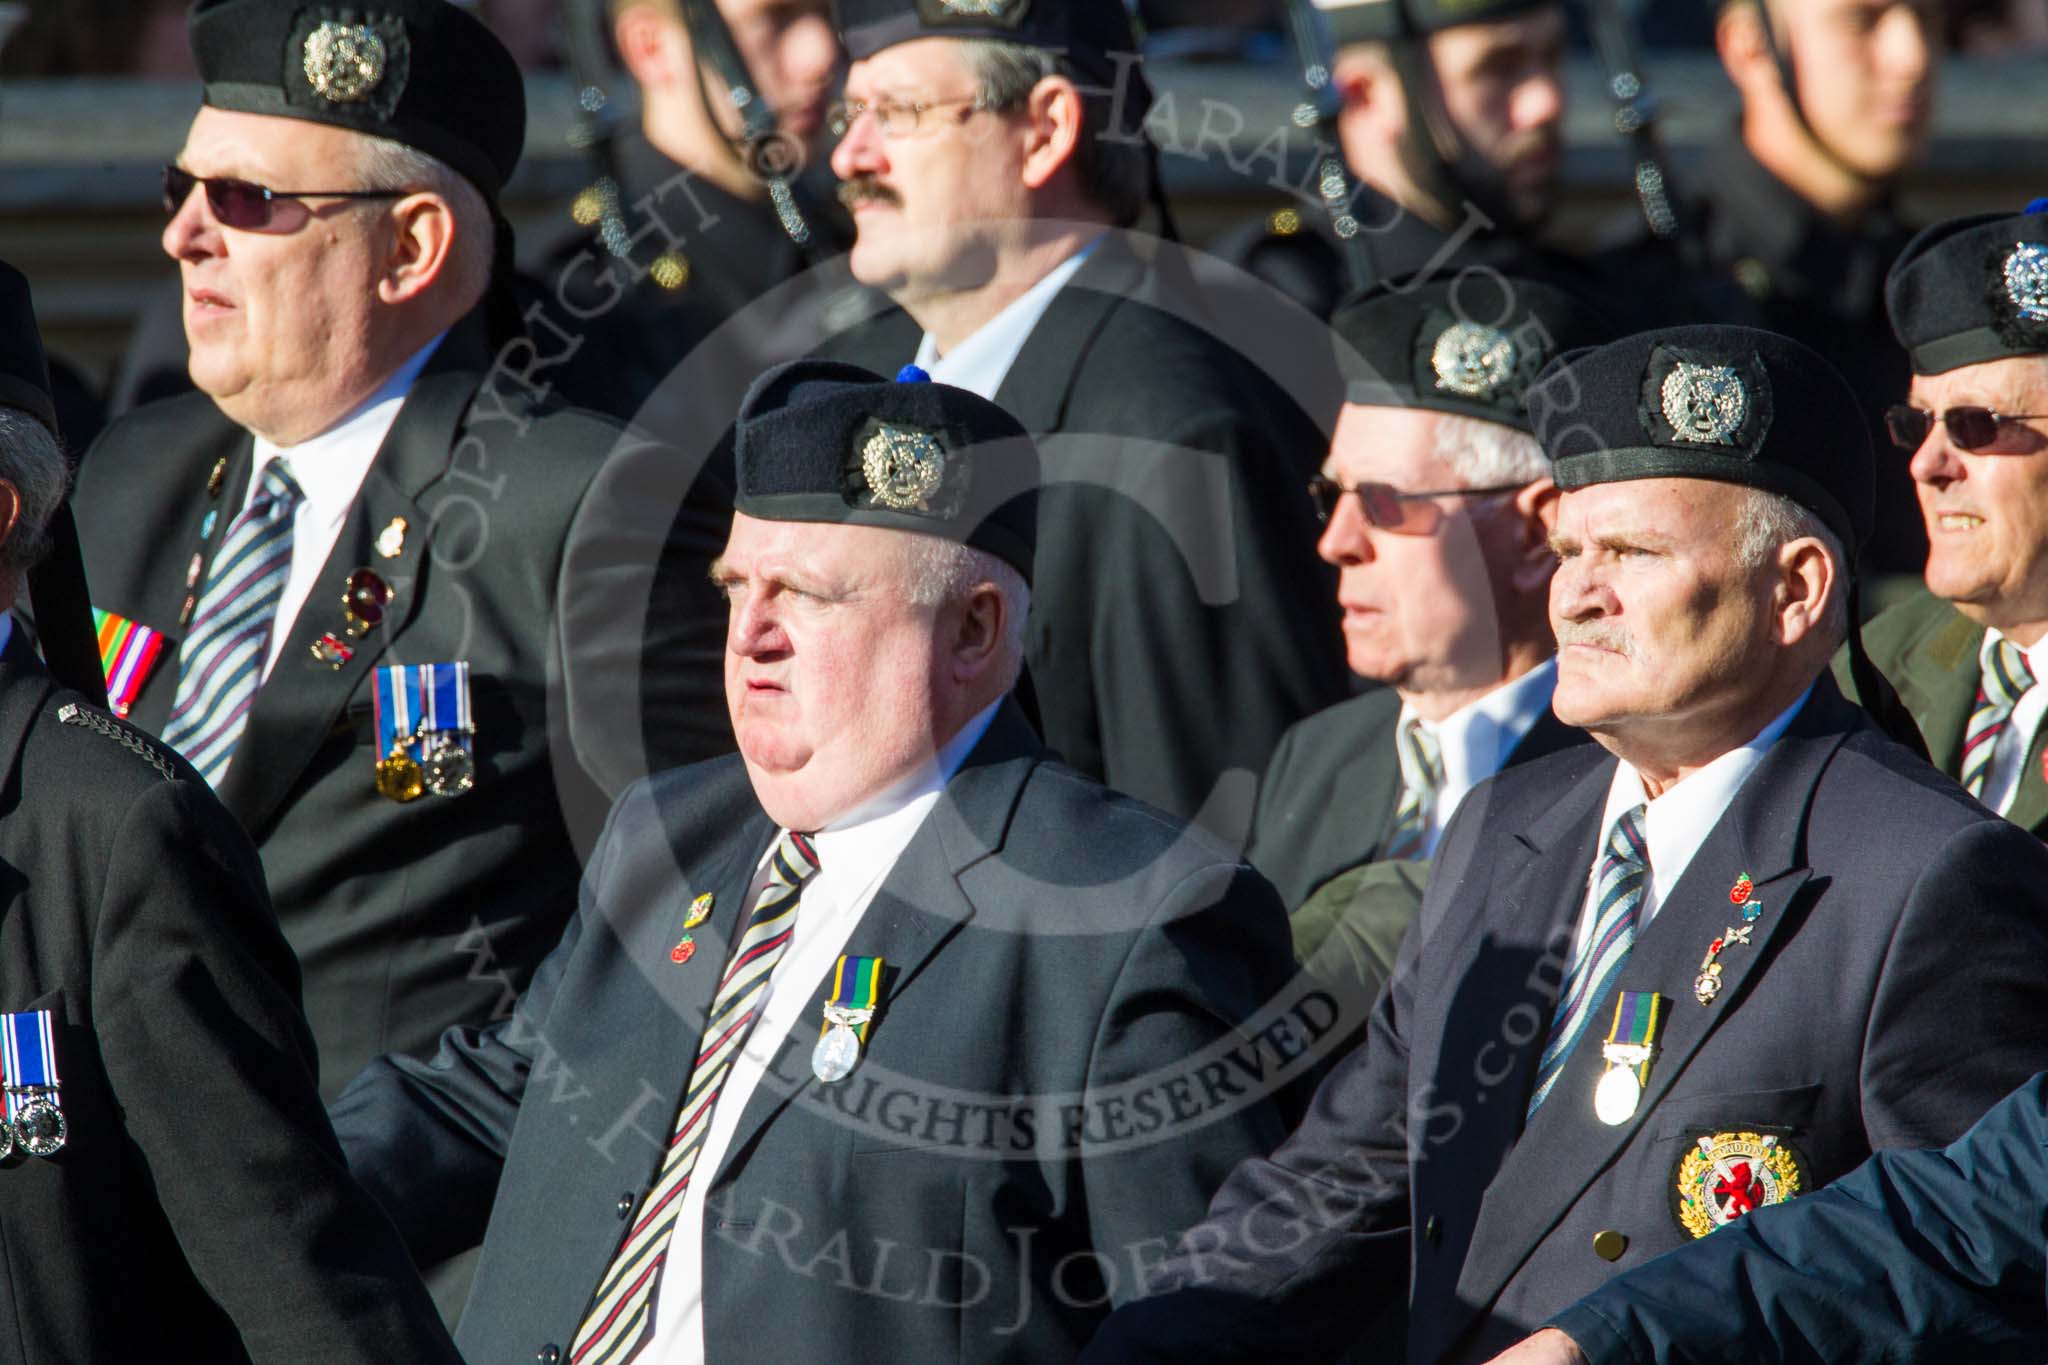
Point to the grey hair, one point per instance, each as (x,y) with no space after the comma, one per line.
(34,463)
(1113,168)
(943,571)
(1772,520)
(389,165)
(1487,454)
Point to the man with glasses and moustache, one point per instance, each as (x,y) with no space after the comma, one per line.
(1182,620)
(354,491)
(1436,504)
(1969,301)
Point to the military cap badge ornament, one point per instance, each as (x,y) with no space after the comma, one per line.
(1723,1176)
(904,468)
(2026,281)
(1705,404)
(344,63)
(1473,360)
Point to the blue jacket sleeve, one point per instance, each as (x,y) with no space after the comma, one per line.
(1915,1255)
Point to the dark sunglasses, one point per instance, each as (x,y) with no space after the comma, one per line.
(1969,428)
(243,203)
(1389,509)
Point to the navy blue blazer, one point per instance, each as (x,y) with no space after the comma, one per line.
(1925,1255)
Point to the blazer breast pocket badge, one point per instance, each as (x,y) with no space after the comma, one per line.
(426,737)
(28,1073)
(1723,1176)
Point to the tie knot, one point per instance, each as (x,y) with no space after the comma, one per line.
(2006,676)
(277,486)
(1625,845)
(1424,753)
(796,858)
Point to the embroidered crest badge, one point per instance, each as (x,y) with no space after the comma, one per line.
(1722,1176)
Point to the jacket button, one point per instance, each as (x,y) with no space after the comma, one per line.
(625,1203)
(548,1354)
(1609,1244)
(1431,1230)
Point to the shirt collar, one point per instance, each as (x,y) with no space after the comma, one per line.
(870,837)
(2037,657)
(1679,821)
(1476,739)
(980,363)
(322,465)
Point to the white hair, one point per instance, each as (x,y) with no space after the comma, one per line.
(389,165)
(1769,521)
(1487,454)
(942,571)
(34,463)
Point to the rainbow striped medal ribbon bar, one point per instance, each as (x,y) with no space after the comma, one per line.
(28,1053)
(129,652)
(856,991)
(1630,1047)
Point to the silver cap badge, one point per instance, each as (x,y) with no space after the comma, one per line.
(2026,280)
(1705,404)
(903,468)
(1473,360)
(344,62)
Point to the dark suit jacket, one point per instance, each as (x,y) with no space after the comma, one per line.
(1929,651)
(200,1208)
(1924,1255)
(1860,1016)
(1036,1087)
(1327,801)
(532,537)
(1180,620)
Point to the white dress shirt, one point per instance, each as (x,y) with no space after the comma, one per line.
(981,362)
(1476,739)
(330,469)
(1678,822)
(2009,751)
(855,853)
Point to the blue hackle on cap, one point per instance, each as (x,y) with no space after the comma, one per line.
(910,374)
(2038,206)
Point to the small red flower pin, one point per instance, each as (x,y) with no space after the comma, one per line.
(1742,889)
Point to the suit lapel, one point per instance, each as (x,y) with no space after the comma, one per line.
(1566,1147)
(303,699)
(916,911)
(1035,388)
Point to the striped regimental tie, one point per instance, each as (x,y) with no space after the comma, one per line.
(2006,680)
(221,663)
(620,1320)
(1618,895)
(1422,778)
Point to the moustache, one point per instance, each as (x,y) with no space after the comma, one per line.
(1608,637)
(866,189)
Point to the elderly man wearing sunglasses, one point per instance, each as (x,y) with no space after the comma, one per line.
(1435,501)
(1969,301)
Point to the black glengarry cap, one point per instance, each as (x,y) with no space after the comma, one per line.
(1972,290)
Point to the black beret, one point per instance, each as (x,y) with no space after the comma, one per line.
(1365,21)
(24,375)
(1088,33)
(1732,404)
(1469,344)
(1973,289)
(822,441)
(422,72)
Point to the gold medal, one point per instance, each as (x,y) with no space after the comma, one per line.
(399,777)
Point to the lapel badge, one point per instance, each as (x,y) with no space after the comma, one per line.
(208,522)
(218,477)
(329,649)
(1704,404)
(849,1009)
(1473,360)
(700,910)
(28,1058)
(1630,1047)
(1723,1176)
(363,599)
(904,468)
(343,63)
(1742,895)
(192,571)
(391,540)
(685,949)
(2026,280)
